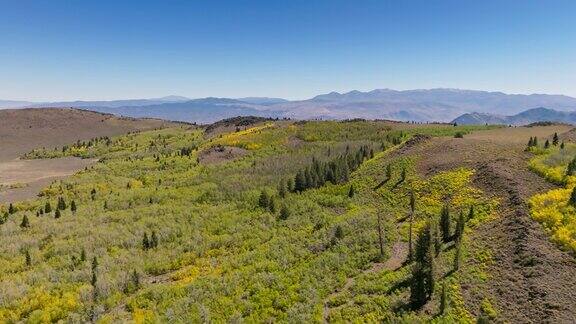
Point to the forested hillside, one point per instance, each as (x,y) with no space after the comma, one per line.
(270,221)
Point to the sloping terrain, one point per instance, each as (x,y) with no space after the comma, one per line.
(290,222)
(22,130)
(530,277)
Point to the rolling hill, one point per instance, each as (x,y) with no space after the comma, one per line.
(523,118)
(293,221)
(24,129)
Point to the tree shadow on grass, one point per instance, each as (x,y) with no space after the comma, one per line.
(381,184)
(399,285)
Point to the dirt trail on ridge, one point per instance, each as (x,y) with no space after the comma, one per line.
(532,280)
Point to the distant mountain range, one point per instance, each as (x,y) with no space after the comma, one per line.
(410,105)
(524,118)
(205,110)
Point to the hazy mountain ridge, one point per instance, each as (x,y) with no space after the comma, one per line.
(6,104)
(526,117)
(408,105)
(266,101)
(205,110)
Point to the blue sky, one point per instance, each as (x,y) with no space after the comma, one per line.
(63,50)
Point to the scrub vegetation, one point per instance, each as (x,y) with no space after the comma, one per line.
(315,221)
(556,209)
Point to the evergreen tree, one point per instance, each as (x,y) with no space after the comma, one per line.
(482,319)
(309,179)
(47,208)
(57,213)
(351,191)
(282,190)
(412,211)
(94,264)
(423,243)
(471,213)
(457,254)
(418,295)
(423,281)
(530,142)
(272,204)
(264,200)
(94,279)
(380,236)
(547,144)
(437,238)
(443,300)
(145,242)
(25,223)
(93,193)
(460,226)
(389,171)
(535,141)
(61,204)
(571,169)
(284,212)
(345,172)
(73,206)
(11,209)
(135,280)
(83,255)
(290,185)
(154,240)
(410,227)
(300,182)
(562,146)
(338,232)
(445,223)
(555,139)
(28,258)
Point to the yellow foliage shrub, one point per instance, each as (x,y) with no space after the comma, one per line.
(552,208)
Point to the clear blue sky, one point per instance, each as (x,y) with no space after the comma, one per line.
(56,49)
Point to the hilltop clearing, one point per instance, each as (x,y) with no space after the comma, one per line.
(22,130)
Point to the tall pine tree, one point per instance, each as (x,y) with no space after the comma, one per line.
(445,223)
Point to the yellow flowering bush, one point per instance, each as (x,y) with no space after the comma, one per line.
(552,208)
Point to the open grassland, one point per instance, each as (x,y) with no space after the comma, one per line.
(310,223)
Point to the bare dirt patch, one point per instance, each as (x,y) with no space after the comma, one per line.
(219,154)
(22,130)
(569,136)
(518,135)
(23,179)
(295,142)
